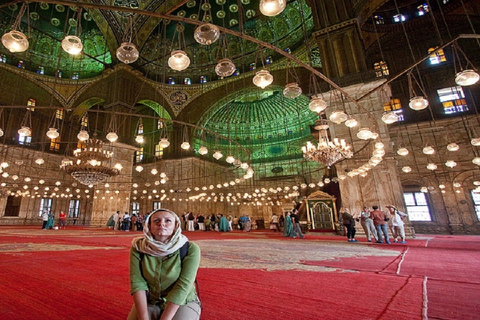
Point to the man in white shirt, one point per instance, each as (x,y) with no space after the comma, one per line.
(397,223)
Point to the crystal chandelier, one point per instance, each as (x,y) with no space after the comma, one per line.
(91,166)
(327,152)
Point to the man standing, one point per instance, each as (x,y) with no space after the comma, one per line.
(45,219)
(367,225)
(296,223)
(398,228)
(63,217)
(380,221)
(116,221)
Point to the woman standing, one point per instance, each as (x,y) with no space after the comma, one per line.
(288,227)
(349,223)
(161,280)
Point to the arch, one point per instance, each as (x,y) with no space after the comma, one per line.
(84,107)
(157,107)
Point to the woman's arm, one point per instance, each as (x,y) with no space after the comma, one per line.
(169,311)
(140,300)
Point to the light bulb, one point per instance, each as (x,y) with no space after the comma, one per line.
(83,135)
(428,150)
(406,169)
(432,166)
(15,41)
(127,53)
(203,150)
(139,138)
(112,136)
(262,79)
(317,104)
(292,90)
(467,77)
(72,45)
(272,8)
(217,155)
(164,143)
(206,34)
(338,116)
(418,103)
(402,151)
(351,123)
(452,147)
(364,133)
(225,68)
(389,117)
(185,145)
(178,60)
(52,133)
(25,131)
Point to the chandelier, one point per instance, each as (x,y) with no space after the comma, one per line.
(91,166)
(326,152)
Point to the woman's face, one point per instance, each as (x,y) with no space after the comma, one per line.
(162,225)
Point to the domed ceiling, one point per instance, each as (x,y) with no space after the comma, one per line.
(102,30)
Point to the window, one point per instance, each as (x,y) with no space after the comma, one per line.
(135,208)
(252,66)
(476,202)
(378,19)
(422,9)
(417,207)
(74,209)
(3,58)
(396,106)
(59,114)
(41,70)
(84,122)
(55,144)
(58,73)
(31,103)
(21,64)
(269,60)
(381,69)
(436,56)
(75,76)
(453,100)
(203,79)
(158,151)
(157,205)
(25,139)
(139,155)
(187,81)
(399,18)
(45,205)
(159,124)
(237,72)
(171,80)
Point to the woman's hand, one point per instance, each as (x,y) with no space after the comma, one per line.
(169,311)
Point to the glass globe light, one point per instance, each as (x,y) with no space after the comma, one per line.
(139,168)
(127,52)
(272,8)
(178,60)
(164,143)
(154,171)
(317,104)
(379,145)
(185,145)
(15,41)
(364,133)
(292,90)
(225,68)
(52,133)
(217,155)
(230,159)
(452,146)
(406,169)
(1,132)
(428,150)
(402,151)
(203,150)
(83,135)
(118,166)
(451,163)
(467,77)
(389,117)
(475,142)
(457,185)
(72,45)
(206,34)
(424,189)
(262,79)
(39,161)
(432,166)
(476,161)
(112,136)
(418,103)
(139,138)
(24,131)
(351,123)
(338,116)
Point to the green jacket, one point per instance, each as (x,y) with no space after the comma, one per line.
(166,279)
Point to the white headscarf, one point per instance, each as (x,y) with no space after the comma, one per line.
(148,245)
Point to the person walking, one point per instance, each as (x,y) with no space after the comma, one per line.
(61,221)
(296,223)
(380,221)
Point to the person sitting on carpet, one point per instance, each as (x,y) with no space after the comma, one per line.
(163,267)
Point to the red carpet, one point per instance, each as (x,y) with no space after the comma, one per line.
(83,274)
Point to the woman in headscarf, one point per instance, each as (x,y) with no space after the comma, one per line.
(288,227)
(161,281)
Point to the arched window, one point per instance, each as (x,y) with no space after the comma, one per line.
(381,69)
(187,81)
(436,56)
(139,155)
